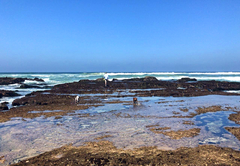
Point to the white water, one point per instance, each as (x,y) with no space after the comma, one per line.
(59,78)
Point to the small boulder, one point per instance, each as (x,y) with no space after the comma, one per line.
(115,80)
(25,86)
(100,79)
(8,93)
(186,79)
(3,106)
(150,78)
(84,80)
(38,79)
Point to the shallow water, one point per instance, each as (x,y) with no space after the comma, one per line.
(215,123)
(23,138)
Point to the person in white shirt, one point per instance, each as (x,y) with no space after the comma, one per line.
(106,79)
(76,99)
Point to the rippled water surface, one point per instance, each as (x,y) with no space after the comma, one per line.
(126,124)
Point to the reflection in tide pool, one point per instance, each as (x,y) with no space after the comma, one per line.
(22,138)
(215,122)
(105,108)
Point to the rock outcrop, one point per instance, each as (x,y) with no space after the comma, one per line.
(8,93)
(3,106)
(25,86)
(10,80)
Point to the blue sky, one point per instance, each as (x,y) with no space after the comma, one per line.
(119,35)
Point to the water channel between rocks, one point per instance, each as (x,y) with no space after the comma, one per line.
(123,124)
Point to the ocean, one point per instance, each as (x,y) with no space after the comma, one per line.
(59,78)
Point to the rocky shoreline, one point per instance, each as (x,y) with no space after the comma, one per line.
(4,81)
(8,93)
(102,152)
(62,96)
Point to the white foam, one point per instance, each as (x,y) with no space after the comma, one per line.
(217,73)
(232,91)
(9,100)
(146,73)
(170,78)
(9,87)
(177,73)
(114,74)
(237,79)
(46,79)
(31,82)
(40,75)
(123,78)
(232,79)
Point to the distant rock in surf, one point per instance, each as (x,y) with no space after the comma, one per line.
(38,79)
(8,93)
(149,78)
(10,80)
(25,86)
(186,79)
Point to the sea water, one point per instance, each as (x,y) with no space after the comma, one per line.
(59,78)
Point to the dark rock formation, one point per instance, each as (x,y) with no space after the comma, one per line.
(149,86)
(37,98)
(182,87)
(10,80)
(7,93)
(148,78)
(3,106)
(25,86)
(100,79)
(186,79)
(38,79)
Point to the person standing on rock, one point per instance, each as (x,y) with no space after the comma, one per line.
(76,99)
(106,79)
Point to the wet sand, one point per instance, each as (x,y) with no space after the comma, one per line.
(106,128)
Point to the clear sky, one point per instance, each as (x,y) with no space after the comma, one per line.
(119,35)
